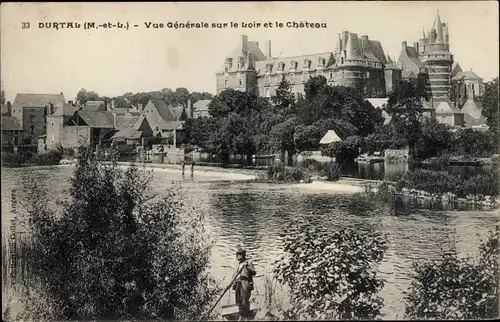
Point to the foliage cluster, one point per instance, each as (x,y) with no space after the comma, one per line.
(14,160)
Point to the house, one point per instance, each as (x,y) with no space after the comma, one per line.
(160,117)
(88,127)
(56,127)
(12,133)
(132,132)
(200,108)
(32,110)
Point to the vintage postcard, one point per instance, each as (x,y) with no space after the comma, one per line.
(250,160)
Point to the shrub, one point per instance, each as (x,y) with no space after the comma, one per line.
(332,275)
(114,251)
(332,171)
(455,288)
(52,157)
(287,174)
(13,160)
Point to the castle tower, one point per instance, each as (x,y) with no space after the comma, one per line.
(349,61)
(392,75)
(438,60)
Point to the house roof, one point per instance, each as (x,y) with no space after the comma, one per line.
(201,105)
(472,108)
(93,105)
(456,68)
(169,125)
(252,49)
(162,108)
(119,110)
(330,137)
(408,60)
(469,75)
(66,110)
(260,66)
(177,111)
(444,107)
(10,123)
(128,133)
(97,119)
(38,100)
(408,74)
(126,121)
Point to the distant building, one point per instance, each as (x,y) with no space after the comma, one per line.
(132,132)
(200,108)
(32,111)
(161,117)
(12,133)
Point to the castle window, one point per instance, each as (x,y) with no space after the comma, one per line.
(240,82)
(226,69)
(292,78)
(342,60)
(267,93)
(268,80)
(32,129)
(226,83)
(305,76)
(367,74)
(283,77)
(330,74)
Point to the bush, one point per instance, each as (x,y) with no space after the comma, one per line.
(114,251)
(331,171)
(13,160)
(52,157)
(281,173)
(455,288)
(332,275)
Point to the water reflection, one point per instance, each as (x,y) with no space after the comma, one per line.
(257,216)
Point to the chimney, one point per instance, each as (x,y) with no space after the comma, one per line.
(70,103)
(244,43)
(51,108)
(268,49)
(415,44)
(113,103)
(403,45)
(105,104)
(257,44)
(364,37)
(9,108)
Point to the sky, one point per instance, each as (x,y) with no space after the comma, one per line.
(112,62)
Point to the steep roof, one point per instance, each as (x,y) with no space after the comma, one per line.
(11,123)
(471,121)
(468,75)
(97,119)
(177,111)
(38,100)
(252,50)
(125,121)
(162,108)
(372,50)
(455,69)
(472,108)
(128,133)
(408,60)
(330,137)
(260,66)
(66,110)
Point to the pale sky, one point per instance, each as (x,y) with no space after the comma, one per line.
(112,62)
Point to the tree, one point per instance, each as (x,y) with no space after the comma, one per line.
(284,100)
(489,101)
(115,252)
(332,275)
(282,136)
(3,96)
(307,137)
(457,288)
(435,139)
(84,96)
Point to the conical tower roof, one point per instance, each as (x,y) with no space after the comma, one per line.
(439,30)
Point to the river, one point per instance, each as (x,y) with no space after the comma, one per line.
(256,216)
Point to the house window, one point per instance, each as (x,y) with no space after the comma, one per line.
(292,78)
(305,76)
(367,74)
(330,74)
(226,83)
(268,80)
(267,92)
(240,82)
(226,69)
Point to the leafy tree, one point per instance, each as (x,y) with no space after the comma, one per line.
(435,139)
(457,288)
(349,149)
(3,96)
(282,135)
(284,100)
(332,275)
(489,101)
(233,136)
(115,251)
(230,100)
(314,86)
(307,137)
(84,96)
(474,143)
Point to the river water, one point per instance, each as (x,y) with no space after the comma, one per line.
(256,216)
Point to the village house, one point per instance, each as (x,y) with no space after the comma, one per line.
(11,133)
(88,127)
(200,108)
(133,131)
(32,111)
(166,122)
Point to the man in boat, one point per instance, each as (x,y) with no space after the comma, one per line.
(243,284)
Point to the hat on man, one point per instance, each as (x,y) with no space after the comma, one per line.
(241,251)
